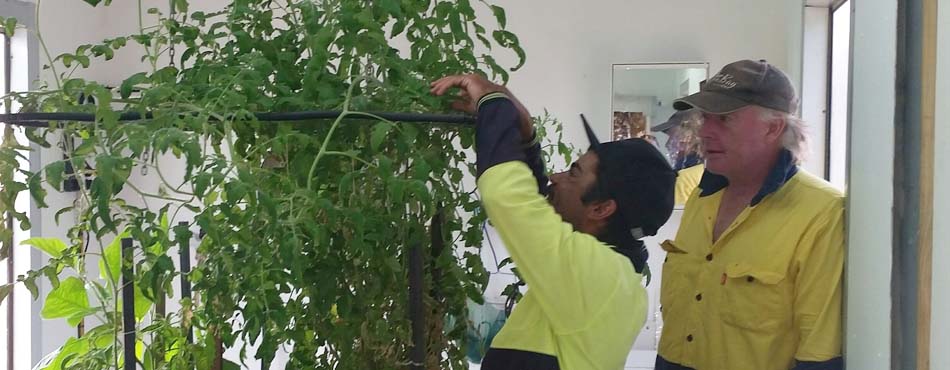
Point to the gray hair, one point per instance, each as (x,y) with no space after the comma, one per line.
(794,138)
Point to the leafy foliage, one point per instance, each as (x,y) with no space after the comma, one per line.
(306,224)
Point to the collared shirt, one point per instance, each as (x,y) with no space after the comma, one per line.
(768,292)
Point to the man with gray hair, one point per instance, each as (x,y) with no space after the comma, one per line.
(753,280)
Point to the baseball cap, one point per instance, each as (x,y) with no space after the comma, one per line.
(677,118)
(740,84)
(638,178)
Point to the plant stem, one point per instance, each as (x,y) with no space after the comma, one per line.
(326,140)
(49,59)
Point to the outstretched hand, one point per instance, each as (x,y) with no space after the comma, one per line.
(472,88)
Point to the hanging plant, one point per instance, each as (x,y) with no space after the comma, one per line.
(306,224)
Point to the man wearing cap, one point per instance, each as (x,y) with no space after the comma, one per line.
(753,279)
(685,152)
(679,129)
(575,241)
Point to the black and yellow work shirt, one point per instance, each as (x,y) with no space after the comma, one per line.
(767,294)
(585,302)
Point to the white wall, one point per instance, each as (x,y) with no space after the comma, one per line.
(870,186)
(571,46)
(940,311)
(815,86)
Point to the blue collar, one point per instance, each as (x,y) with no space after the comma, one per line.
(783,170)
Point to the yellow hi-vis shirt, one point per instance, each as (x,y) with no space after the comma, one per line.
(687,180)
(768,292)
(585,303)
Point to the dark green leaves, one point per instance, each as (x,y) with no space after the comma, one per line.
(306,252)
(125,90)
(500,16)
(380,130)
(509,40)
(5,290)
(54,174)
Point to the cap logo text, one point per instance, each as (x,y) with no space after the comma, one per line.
(723,80)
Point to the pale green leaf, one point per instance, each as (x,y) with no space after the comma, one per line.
(113,257)
(52,246)
(69,300)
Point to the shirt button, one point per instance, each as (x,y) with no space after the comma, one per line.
(709,257)
(750,279)
(689,338)
(699,297)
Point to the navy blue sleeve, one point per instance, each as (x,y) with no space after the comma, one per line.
(836,363)
(497,134)
(535,161)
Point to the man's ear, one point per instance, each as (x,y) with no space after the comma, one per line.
(776,129)
(601,210)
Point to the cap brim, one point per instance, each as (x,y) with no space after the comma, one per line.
(663,126)
(710,102)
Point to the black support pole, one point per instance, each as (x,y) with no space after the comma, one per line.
(43,119)
(417,356)
(128,304)
(184,252)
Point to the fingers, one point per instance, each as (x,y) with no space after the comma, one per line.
(442,85)
(471,87)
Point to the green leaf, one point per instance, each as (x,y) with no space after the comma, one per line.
(9,26)
(500,15)
(30,283)
(113,256)
(230,365)
(5,290)
(93,2)
(54,174)
(103,50)
(125,90)
(142,303)
(62,357)
(509,40)
(37,191)
(379,134)
(52,246)
(69,300)
(391,6)
(83,60)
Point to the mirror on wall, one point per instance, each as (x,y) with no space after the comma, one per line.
(642,99)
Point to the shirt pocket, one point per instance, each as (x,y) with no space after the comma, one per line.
(756,299)
(676,277)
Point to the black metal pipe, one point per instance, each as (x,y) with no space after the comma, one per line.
(11,318)
(437,248)
(184,253)
(43,119)
(417,355)
(128,304)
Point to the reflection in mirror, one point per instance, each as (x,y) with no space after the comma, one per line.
(642,105)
